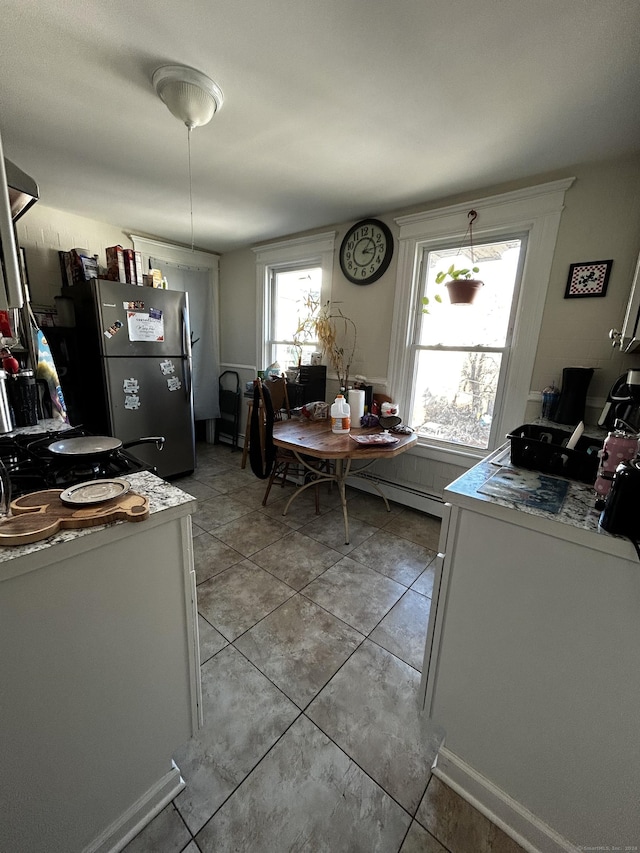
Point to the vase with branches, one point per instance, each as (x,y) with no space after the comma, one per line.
(335,332)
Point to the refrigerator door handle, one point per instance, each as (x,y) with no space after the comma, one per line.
(186,353)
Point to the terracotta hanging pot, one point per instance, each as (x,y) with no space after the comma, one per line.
(463,290)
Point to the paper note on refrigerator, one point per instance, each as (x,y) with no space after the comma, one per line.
(145,326)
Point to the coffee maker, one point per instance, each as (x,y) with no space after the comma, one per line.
(623,402)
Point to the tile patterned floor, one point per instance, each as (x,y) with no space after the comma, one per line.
(311,652)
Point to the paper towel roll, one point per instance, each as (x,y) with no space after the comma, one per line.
(356,401)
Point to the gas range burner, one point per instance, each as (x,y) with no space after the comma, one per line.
(33,467)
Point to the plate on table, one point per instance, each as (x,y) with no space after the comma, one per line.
(380,439)
(95,492)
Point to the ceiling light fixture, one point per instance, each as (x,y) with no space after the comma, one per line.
(189,94)
(191,97)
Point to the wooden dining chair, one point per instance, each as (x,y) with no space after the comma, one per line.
(285,461)
(280,400)
(279,397)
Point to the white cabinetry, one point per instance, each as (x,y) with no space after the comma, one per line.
(100,682)
(629,338)
(532,669)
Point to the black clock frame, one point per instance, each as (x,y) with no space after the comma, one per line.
(388,254)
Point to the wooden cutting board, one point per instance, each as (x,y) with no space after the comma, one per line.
(41,514)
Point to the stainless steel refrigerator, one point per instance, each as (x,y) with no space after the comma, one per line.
(134,369)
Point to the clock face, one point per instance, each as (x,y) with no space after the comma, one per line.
(366,251)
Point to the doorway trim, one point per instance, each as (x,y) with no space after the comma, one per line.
(188,258)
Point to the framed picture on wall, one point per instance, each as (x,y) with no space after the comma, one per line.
(589,278)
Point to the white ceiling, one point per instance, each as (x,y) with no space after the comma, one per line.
(334,109)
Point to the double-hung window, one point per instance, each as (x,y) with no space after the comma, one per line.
(290,290)
(461,374)
(460,353)
(287,274)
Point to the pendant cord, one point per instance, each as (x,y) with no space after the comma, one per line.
(189,129)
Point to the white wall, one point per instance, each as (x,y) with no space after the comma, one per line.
(45,231)
(601,220)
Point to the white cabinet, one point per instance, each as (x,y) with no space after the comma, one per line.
(100,682)
(531,667)
(628,339)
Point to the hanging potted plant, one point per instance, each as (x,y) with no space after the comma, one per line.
(462,286)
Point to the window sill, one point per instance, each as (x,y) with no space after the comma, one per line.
(452,456)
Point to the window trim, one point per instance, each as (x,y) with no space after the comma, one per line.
(535,210)
(504,351)
(317,249)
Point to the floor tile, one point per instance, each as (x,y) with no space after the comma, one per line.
(458,825)
(424,584)
(329,529)
(354,593)
(229,480)
(301,512)
(370,507)
(165,834)
(237,598)
(211,467)
(403,631)
(296,559)
(370,709)
(417,527)
(299,647)
(217,511)
(418,840)
(211,641)
(211,556)
(398,558)
(251,494)
(306,795)
(196,488)
(244,715)
(251,533)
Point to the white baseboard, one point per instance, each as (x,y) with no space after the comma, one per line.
(116,836)
(527,830)
(405,495)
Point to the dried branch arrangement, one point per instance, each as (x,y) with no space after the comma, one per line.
(335,332)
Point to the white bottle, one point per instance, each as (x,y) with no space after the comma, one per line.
(340,415)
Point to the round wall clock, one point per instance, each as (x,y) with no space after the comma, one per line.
(366,251)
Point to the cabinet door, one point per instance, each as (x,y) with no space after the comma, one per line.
(630,335)
(436,613)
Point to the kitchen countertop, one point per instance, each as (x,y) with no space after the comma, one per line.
(46,425)
(577,509)
(576,519)
(162,496)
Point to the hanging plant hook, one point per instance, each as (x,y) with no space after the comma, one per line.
(471,216)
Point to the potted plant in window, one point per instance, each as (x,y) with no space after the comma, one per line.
(462,286)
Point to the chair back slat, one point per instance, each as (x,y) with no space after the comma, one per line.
(279,397)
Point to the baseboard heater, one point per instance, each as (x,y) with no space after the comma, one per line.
(400,493)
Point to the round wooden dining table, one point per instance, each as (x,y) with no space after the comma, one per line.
(306,438)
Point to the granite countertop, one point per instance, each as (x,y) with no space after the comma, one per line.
(46,425)
(162,496)
(528,492)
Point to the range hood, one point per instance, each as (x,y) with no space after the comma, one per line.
(17,193)
(23,190)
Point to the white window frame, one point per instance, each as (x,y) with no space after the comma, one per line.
(535,211)
(316,250)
